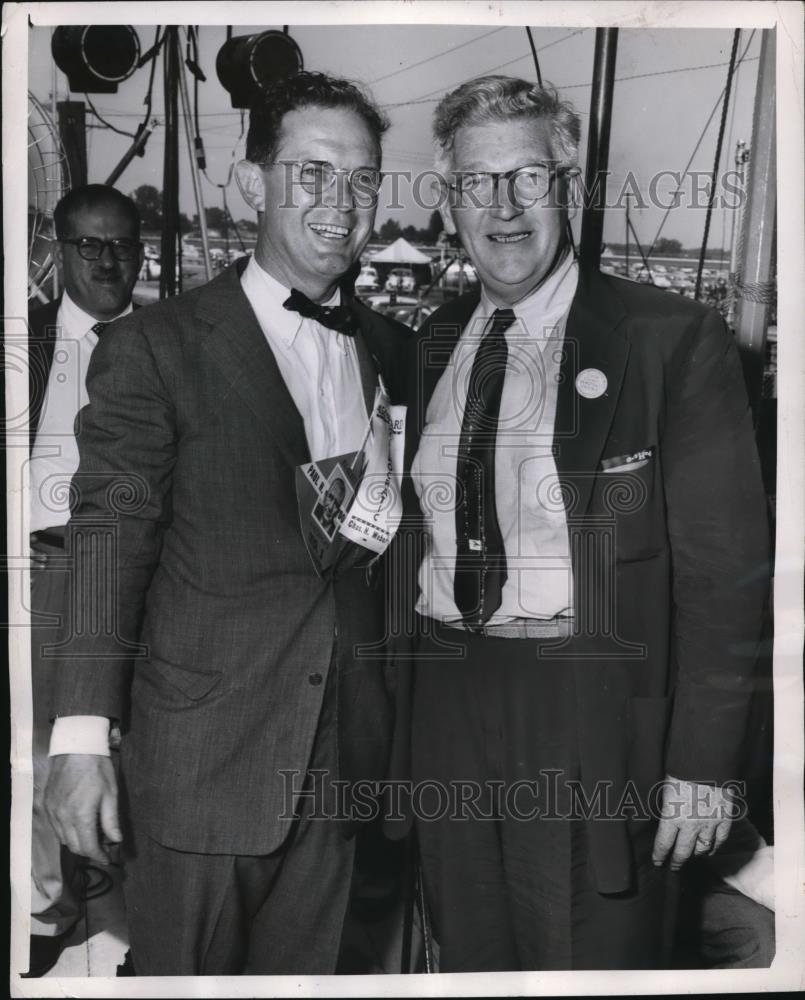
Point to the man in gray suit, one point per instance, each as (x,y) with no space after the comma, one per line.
(198,621)
(98,255)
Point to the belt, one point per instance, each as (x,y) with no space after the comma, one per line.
(518,628)
(54,538)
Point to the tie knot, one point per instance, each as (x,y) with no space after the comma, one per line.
(98,328)
(338,318)
(501,320)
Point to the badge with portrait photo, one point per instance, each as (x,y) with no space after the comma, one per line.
(324,492)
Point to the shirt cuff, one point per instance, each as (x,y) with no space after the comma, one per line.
(87,734)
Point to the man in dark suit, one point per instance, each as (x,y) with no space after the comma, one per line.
(98,254)
(245,684)
(591,590)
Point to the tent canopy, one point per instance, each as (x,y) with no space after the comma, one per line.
(400,252)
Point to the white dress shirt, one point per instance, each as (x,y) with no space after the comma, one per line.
(54,457)
(530,511)
(320,368)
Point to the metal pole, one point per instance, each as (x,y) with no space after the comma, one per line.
(741,158)
(740,161)
(627,235)
(592,222)
(133,150)
(54,277)
(754,268)
(202,215)
(170,183)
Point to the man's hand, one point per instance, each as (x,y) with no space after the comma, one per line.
(81,802)
(695,820)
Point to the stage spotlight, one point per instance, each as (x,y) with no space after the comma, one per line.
(96,58)
(247,64)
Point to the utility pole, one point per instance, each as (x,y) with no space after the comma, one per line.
(754,285)
(170,172)
(592,223)
(736,234)
(627,196)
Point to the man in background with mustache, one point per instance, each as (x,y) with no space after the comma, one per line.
(98,255)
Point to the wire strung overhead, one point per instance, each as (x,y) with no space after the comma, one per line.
(429,99)
(106,124)
(424,98)
(437,55)
(699,141)
(719,142)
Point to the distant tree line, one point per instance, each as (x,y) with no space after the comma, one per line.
(148,200)
(667,248)
(391,230)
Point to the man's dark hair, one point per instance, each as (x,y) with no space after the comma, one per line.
(87,198)
(301,91)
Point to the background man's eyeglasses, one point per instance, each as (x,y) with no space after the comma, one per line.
(525,185)
(91,248)
(316,176)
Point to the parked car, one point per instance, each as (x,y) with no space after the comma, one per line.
(457,274)
(405,309)
(367,280)
(151,268)
(400,279)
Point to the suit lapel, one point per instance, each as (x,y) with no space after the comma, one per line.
(435,347)
(593,345)
(238,347)
(369,364)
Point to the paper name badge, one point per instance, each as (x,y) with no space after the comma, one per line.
(591,383)
(376,511)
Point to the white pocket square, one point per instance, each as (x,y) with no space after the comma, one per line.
(627,463)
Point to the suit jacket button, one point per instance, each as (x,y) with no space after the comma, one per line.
(315,679)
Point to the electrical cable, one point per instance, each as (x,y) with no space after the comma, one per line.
(534,54)
(149,93)
(146,101)
(719,143)
(109,125)
(198,142)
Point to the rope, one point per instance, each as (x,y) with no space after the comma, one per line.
(764,292)
(719,143)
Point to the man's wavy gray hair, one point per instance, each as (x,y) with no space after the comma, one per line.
(489,99)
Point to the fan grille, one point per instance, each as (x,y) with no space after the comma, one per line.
(48,181)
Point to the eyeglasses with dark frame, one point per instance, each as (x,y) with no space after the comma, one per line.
(526,185)
(316,176)
(92,248)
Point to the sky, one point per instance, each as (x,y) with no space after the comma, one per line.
(668,83)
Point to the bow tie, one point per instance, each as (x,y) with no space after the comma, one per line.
(339,318)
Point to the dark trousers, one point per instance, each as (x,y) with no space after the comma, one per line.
(222,914)
(507,875)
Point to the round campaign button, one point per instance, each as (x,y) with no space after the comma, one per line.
(591,383)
